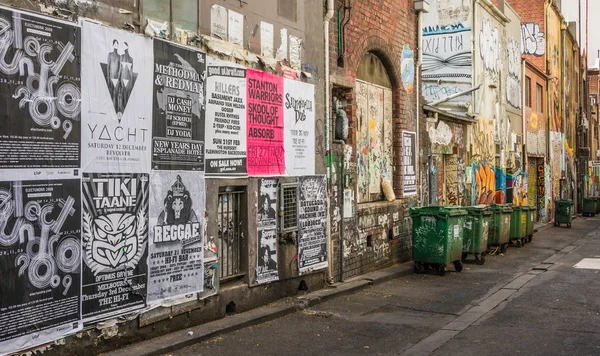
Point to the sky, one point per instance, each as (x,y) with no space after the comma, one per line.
(570,11)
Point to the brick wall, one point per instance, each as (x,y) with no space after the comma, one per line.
(532,11)
(378,234)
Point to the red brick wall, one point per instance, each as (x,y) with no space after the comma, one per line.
(382,27)
(532,11)
(593,81)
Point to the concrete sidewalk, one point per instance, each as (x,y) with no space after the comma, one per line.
(180,339)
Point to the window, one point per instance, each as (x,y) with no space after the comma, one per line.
(289,206)
(287,9)
(528,92)
(539,98)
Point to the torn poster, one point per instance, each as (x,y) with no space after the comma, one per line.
(266,39)
(116,71)
(236,27)
(225,119)
(312,223)
(176,246)
(178,120)
(299,113)
(267,231)
(295,52)
(40,91)
(218,22)
(265,150)
(115,244)
(40,261)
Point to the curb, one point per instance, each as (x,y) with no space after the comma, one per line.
(181,339)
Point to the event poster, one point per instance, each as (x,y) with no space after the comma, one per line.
(265,124)
(176,245)
(40,91)
(299,113)
(115,236)
(409,163)
(40,260)
(312,223)
(116,71)
(225,119)
(267,231)
(178,122)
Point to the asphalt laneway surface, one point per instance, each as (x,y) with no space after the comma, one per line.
(528,301)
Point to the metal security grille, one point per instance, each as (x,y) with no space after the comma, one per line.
(230,230)
(289,206)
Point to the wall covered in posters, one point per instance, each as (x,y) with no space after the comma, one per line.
(116,72)
(176,244)
(312,223)
(225,119)
(40,260)
(267,231)
(115,243)
(264,124)
(178,122)
(40,91)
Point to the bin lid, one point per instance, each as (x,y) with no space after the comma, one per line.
(590,198)
(479,210)
(504,208)
(451,210)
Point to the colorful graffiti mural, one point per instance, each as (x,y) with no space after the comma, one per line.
(484,183)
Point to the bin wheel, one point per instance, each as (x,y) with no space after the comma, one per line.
(419,268)
(458,266)
(530,238)
(480,258)
(441,270)
(464,256)
(556,224)
(569,225)
(523,241)
(503,248)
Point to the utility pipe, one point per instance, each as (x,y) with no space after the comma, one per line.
(326,20)
(418,91)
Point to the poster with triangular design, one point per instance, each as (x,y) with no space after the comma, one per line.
(116,71)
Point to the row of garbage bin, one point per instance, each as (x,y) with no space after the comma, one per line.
(449,234)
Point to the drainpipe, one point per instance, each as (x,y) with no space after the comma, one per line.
(418,91)
(524,117)
(326,20)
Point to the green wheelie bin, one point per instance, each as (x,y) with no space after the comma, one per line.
(597,205)
(589,206)
(437,237)
(499,231)
(518,225)
(563,212)
(530,217)
(477,226)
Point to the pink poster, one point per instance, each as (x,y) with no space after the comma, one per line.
(265,153)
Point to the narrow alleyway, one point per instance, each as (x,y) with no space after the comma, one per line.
(519,309)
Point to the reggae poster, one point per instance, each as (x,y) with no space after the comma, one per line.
(40,91)
(178,123)
(40,260)
(312,223)
(225,119)
(116,71)
(176,245)
(114,249)
(267,231)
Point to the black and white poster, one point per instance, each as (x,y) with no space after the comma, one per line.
(116,71)
(312,223)
(299,130)
(409,163)
(176,245)
(40,261)
(267,231)
(178,123)
(40,91)
(225,119)
(115,243)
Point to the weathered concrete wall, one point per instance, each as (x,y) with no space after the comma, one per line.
(491,133)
